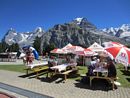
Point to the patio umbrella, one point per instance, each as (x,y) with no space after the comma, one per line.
(106,54)
(85,52)
(59,51)
(119,52)
(113,44)
(96,47)
(67,46)
(73,49)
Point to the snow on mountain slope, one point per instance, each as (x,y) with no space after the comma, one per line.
(22,38)
(121,32)
(78,20)
(125,34)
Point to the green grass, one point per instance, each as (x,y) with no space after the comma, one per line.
(124,76)
(81,70)
(17,68)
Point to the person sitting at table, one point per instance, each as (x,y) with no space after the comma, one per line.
(104,65)
(111,68)
(91,67)
(68,58)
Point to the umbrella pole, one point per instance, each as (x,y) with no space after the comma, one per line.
(126,68)
(83,61)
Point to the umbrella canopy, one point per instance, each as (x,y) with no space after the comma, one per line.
(85,52)
(106,54)
(113,44)
(96,47)
(119,52)
(67,46)
(58,51)
(73,49)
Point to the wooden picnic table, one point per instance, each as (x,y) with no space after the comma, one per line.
(105,76)
(37,67)
(62,69)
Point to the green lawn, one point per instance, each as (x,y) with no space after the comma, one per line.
(124,76)
(17,68)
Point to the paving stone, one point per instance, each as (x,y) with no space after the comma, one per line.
(35,88)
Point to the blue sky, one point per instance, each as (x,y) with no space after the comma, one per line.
(26,15)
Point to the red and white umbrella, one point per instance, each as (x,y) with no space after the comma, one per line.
(67,46)
(113,44)
(96,47)
(106,54)
(119,52)
(59,51)
(85,52)
(73,49)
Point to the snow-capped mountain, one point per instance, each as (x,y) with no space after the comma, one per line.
(78,20)
(84,23)
(78,32)
(121,32)
(22,38)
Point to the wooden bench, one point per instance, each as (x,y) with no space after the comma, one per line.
(107,78)
(67,72)
(36,70)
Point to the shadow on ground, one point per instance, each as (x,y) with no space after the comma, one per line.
(128,79)
(58,78)
(33,74)
(97,84)
(127,73)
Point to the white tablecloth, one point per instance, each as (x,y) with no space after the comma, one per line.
(103,70)
(38,64)
(62,66)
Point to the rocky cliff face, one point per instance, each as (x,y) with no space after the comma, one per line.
(121,32)
(22,38)
(78,32)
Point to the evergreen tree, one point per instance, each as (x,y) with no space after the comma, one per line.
(37,43)
(14,47)
(3,46)
(50,47)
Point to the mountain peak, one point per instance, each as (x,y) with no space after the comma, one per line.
(22,38)
(38,29)
(125,27)
(122,32)
(84,23)
(78,20)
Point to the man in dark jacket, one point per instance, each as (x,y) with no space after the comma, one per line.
(111,69)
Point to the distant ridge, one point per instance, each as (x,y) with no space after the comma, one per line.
(79,31)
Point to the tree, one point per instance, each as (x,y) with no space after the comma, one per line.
(37,43)
(3,46)
(49,47)
(14,47)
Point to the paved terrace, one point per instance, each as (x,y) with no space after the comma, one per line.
(14,84)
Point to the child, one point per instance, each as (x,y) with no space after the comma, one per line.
(29,57)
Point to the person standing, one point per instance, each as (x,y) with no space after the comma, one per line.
(29,57)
